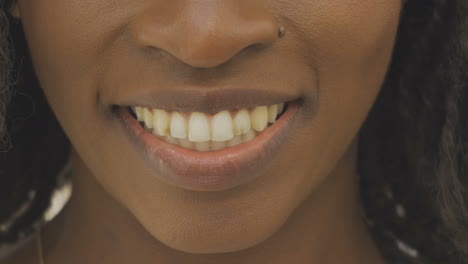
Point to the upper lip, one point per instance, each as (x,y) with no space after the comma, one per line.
(196,99)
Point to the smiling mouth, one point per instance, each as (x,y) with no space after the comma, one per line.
(209,152)
(208,132)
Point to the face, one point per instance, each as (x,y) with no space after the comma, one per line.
(205,171)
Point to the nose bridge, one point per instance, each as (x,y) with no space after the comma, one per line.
(205,33)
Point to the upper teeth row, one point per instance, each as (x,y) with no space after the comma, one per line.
(200,127)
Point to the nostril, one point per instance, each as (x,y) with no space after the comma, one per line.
(205,41)
(252,48)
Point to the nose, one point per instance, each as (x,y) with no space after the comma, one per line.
(205,33)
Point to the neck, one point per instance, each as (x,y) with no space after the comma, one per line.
(328,227)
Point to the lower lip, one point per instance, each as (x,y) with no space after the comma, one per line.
(212,170)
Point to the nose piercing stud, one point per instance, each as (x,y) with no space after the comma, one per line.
(281,32)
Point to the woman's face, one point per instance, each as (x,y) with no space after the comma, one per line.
(97,58)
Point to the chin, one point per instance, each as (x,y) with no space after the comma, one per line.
(215,237)
(215,243)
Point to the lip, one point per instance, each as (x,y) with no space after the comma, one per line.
(205,99)
(213,170)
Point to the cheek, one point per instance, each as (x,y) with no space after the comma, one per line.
(347,32)
(69,40)
(359,41)
(349,44)
(354,58)
(65,40)
(351,47)
(54,40)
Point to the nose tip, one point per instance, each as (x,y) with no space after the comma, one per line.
(206,35)
(212,47)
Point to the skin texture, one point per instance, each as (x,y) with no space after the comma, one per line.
(304,208)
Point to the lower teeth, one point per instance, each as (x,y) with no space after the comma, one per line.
(209,145)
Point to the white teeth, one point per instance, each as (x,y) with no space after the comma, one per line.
(272,113)
(234,141)
(199,128)
(178,126)
(248,136)
(161,122)
(186,143)
(259,118)
(203,132)
(148,118)
(211,145)
(221,127)
(171,139)
(217,145)
(139,113)
(202,146)
(241,122)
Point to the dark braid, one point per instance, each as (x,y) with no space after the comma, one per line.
(38,149)
(5,76)
(415,139)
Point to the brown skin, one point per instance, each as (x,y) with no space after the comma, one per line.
(304,208)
